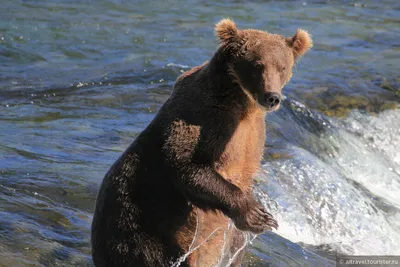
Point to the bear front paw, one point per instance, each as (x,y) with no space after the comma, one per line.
(254,218)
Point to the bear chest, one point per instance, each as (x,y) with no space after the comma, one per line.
(243,153)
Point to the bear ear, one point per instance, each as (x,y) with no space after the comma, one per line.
(301,42)
(226,31)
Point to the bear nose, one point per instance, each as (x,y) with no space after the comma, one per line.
(272,99)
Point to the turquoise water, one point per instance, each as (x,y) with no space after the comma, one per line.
(80,79)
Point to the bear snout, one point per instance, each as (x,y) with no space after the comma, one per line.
(272,100)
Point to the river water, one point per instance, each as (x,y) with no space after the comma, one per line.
(80,79)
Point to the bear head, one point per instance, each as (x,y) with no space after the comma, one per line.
(260,62)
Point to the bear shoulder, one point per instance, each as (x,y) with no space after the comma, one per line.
(190,73)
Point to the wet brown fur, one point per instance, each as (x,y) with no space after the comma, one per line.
(184,183)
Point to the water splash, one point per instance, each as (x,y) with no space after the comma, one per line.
(192,249)
(344,194)
(248,239)
(223,246)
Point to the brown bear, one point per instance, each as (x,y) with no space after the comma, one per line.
(180,194)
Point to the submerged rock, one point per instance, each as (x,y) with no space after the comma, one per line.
(340,104)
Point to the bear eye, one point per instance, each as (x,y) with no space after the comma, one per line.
(259,66)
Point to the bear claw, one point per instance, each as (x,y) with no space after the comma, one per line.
(254,218)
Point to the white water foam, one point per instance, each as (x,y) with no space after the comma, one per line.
(348,199)
(222,258)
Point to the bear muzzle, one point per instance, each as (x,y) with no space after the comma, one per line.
(272,100)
